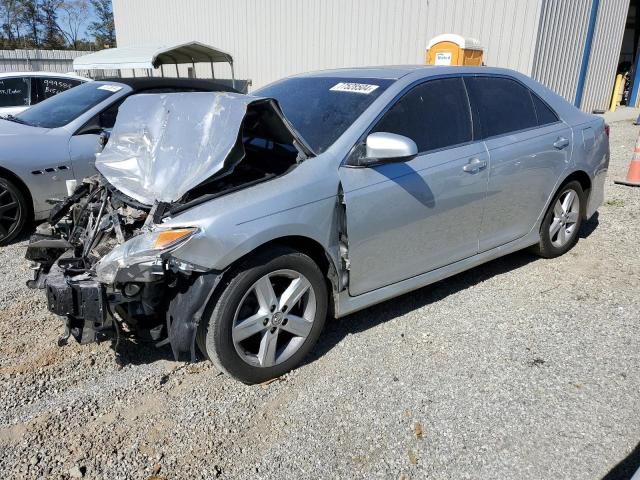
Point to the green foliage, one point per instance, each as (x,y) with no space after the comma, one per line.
(56,24)
(614,202)
(104,28)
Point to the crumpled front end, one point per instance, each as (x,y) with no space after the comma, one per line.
(105,259)
(108,270)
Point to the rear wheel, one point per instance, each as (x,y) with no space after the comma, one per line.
(561,224)
(268,316)
(13,211)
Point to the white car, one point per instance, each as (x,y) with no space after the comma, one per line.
(20,90)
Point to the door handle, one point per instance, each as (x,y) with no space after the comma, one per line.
(474,165)
(561,143)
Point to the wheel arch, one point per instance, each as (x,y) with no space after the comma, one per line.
(583,178)
(309,247)
(15,179)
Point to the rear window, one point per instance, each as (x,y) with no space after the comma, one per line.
(48,87)
(322,108)
(14,92)
(504,105)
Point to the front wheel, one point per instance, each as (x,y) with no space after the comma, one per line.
(14,211)
(268,316)
(561,224)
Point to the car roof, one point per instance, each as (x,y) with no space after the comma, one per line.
(150,83)
(392,72)
(395,72)
(43,74)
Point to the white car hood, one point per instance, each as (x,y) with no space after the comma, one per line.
(4,111)
(164,145)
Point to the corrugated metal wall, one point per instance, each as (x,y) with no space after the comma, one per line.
(60,61)
(273,39)
(560,45)
(561,38)
(605,52)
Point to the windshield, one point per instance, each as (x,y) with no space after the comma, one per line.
(65,107)
(322,108)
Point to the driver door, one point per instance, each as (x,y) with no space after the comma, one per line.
(89,140)
(408,218)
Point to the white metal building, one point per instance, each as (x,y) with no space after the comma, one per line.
(572,46)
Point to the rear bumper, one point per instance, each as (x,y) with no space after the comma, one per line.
(596,195)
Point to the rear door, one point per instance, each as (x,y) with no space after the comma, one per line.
(408,218)
(529,148)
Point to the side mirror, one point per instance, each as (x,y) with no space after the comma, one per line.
(384,147)
(103,138)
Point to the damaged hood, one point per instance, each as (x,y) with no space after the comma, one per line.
(164,145)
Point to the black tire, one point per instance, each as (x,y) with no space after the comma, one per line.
(214,336)
(14,211)
(546,248)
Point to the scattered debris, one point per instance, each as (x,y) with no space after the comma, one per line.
(417,429)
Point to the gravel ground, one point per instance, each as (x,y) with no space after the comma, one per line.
(522,368)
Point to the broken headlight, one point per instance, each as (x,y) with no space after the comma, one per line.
(142,249)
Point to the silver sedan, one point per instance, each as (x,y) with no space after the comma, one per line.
(237,224)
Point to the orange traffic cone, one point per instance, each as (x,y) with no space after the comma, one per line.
(633,175)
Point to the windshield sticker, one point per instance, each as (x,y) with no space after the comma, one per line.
(110,88)
(353,87)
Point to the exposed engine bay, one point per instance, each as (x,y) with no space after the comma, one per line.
(103,257)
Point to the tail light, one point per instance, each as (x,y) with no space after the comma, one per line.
(606,129)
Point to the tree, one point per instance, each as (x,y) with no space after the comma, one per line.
(74,14)
(10,23)
(52,36)
(31,17)
(103,29)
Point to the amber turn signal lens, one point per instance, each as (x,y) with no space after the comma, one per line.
(167,238)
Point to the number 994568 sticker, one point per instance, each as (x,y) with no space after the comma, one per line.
(353,87)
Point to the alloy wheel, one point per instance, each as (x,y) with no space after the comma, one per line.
(274,318)
(566,212)
(9,211)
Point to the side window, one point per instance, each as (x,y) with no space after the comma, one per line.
(503,105)
(107,118)
(544,113)
(48,87)
(15,92)
(434,114)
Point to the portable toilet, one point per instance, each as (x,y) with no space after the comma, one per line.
(452,49)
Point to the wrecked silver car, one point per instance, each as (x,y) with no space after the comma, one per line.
(235,224)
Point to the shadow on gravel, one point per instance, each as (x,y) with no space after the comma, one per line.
(383,312)
(589,226)
(390,309)
(133,352)
(626,468)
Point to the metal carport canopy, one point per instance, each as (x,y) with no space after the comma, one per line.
(150,56)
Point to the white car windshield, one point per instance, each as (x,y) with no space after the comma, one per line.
(65,107)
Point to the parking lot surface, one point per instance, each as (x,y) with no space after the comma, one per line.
(521,368)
